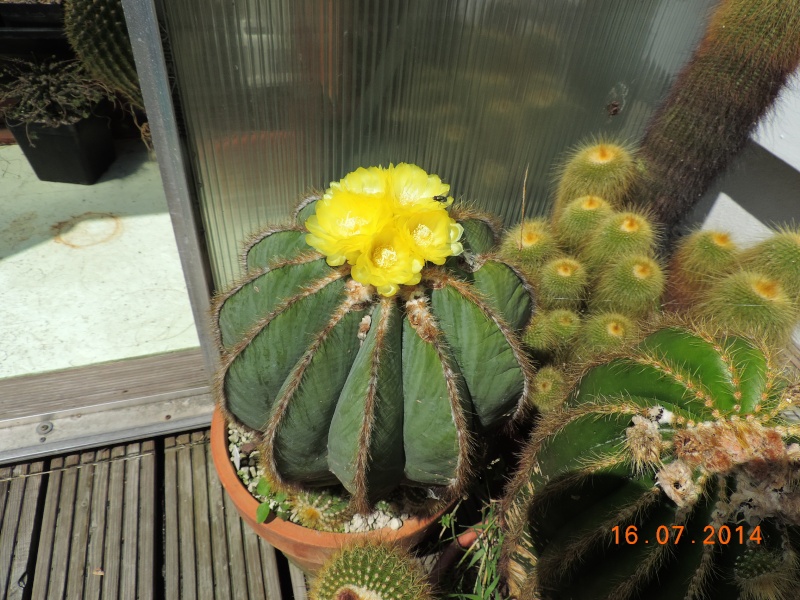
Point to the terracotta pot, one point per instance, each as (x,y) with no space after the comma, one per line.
(306,548)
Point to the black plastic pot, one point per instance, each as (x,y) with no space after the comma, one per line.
(77,153)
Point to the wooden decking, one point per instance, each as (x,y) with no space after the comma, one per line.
(147,520)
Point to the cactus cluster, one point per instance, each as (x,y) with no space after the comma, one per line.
(753,291)
(371,391)
(593,263)
(670,473)
(371,572)
(97,32)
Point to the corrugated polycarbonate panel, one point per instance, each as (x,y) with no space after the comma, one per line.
(283,96)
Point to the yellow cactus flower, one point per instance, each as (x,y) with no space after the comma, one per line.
(388,263)
(344,225)
(373,181)
(412,188)
(386,223)
(432,234)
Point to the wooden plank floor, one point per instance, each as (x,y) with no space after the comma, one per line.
(147,520)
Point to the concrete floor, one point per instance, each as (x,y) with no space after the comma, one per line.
(88,274)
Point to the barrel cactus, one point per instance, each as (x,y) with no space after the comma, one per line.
(380,357)
(671,472)
(371,572)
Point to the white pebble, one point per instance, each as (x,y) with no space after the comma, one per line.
(236,457)
(395,523)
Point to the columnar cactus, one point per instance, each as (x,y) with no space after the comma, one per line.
(670,473)
(373,374)
(97,32)
(749,51)
(371,572)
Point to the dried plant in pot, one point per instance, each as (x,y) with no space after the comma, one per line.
(373,343)
(54,110)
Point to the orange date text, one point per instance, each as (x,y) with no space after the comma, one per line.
(674,534)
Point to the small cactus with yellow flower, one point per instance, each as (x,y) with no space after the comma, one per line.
(374,339)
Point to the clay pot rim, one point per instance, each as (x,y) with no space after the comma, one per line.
(247,504)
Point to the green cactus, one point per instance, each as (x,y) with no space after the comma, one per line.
(575,224)
(596,168)
(371,572)
(529,244)
(777,257)
(619,235)
(561,283)
(753,304)
(602,333)
(685,434)
(369,391)
(549,389)
(698,259)
(749,50)
(97,32)
(632,286)
(322,511)
(550,334)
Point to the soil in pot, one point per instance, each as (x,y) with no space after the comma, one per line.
(77,153)
(306,548)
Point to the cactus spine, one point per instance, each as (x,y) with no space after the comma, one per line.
(97,32)
(685,432)
(370,391)
(371,572)
(749,50)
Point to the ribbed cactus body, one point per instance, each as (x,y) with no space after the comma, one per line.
(684,433)
(372,391)
(371,572)
(97,32)
(749,50)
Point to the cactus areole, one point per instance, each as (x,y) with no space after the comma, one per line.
(381,358)
(670,473)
